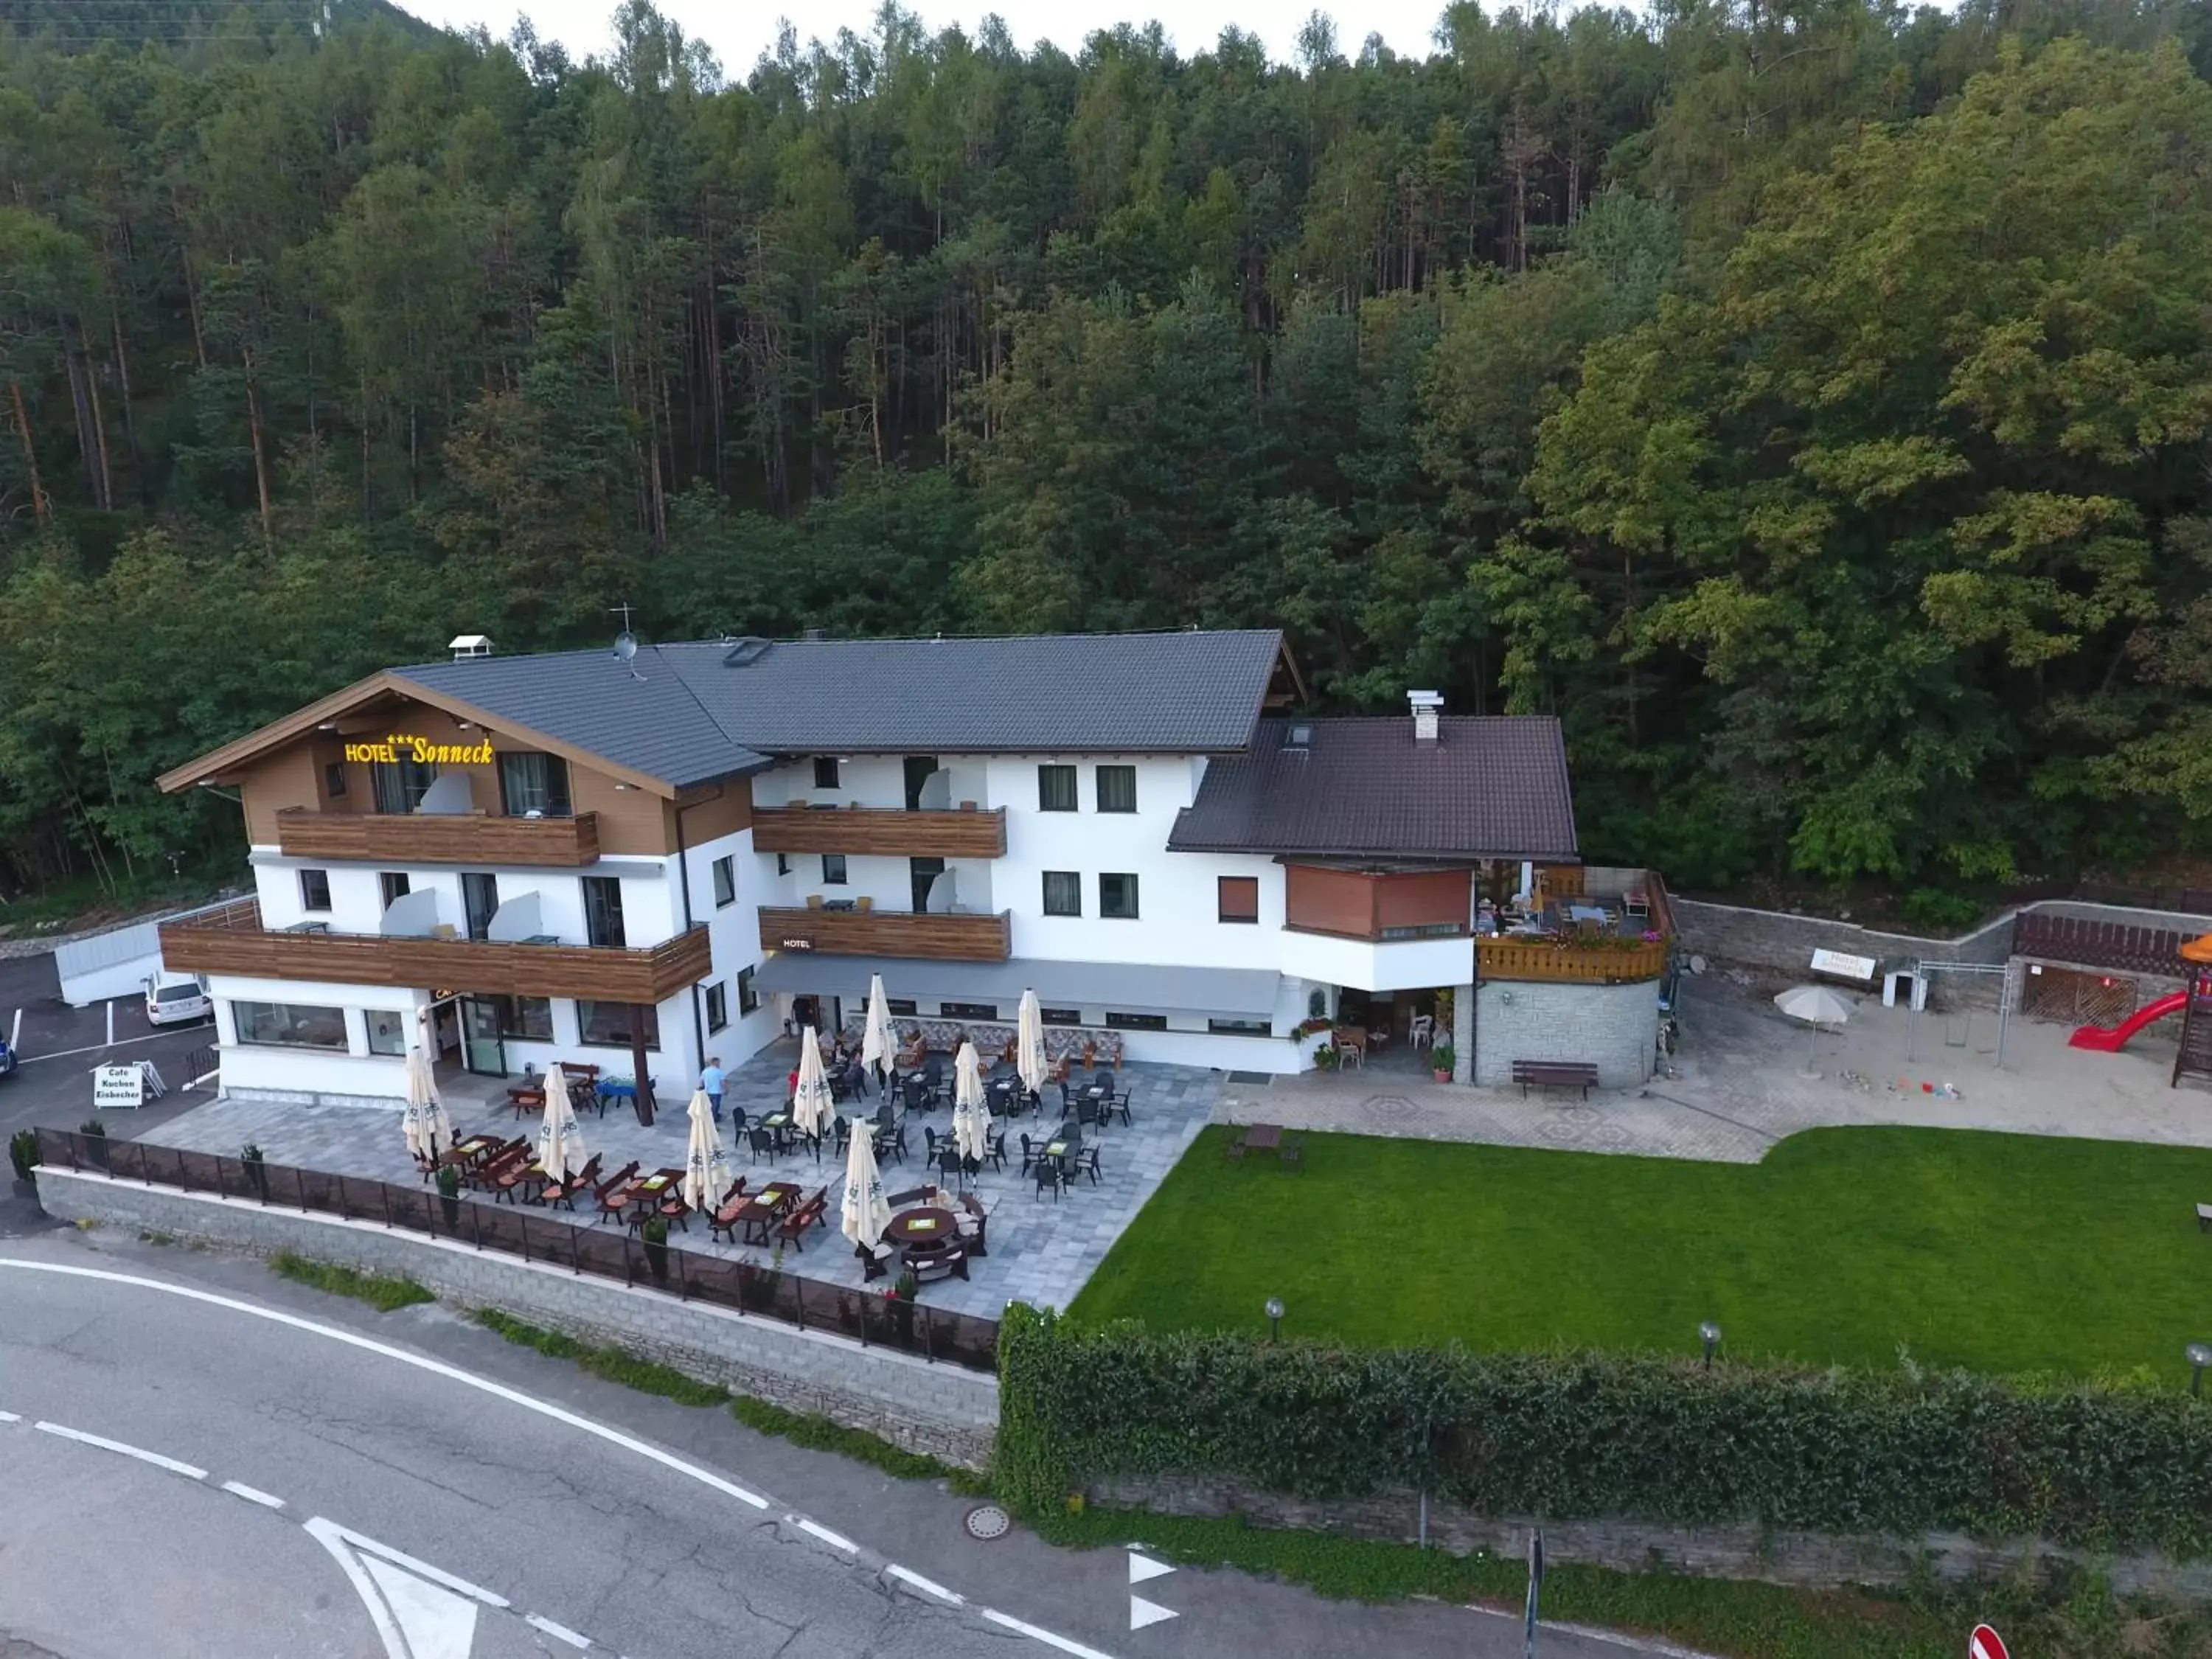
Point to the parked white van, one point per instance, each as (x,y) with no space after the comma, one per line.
(177,1002)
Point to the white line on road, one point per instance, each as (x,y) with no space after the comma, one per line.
(813,1530)
(9,1416)
(1036,1634)
(138,1452)
(1593,1633)
(252,1494)
(931,1585)
(97,1048)
(558,1632)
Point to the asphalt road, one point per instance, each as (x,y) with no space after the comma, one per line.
(51,1083)
(457,1489)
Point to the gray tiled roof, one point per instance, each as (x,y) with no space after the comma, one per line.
(695,716)
(1493,787)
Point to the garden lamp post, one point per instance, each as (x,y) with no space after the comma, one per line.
(1275,1319)
(2200,1356)
(1710,1335)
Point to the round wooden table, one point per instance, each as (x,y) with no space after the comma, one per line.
(926,1226)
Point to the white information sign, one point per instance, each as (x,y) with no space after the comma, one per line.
(1845,967)
(114,1088)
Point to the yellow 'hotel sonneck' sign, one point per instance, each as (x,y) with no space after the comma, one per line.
(421,751)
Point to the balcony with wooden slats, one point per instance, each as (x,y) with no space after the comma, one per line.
(932,935)
(230,939)
(477,838)
(860,831)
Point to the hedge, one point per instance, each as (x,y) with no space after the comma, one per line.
(2108,1465)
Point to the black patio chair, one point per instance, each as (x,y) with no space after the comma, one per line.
(949,1162)
(763,1143)
(1049,1175)
(914,1092)
(994,1145)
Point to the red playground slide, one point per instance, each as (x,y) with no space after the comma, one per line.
(2110,1039)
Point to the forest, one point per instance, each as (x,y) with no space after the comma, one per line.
(1806,400)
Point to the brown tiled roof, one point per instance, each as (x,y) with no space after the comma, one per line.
(1489,787)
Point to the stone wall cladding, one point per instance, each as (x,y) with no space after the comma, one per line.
(1615,1027)
(942,1410)
(1813,1559)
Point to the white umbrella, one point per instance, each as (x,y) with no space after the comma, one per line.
(706,1165)
(560,1138)
(812,1107)
(867,1213)
(1817,1005)
(876,1049)
(1030,1053)
(967,1103)
(424,1123)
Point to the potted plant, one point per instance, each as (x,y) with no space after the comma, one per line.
(653,1235)
(256,1172)
(23,1152)
(449,1196)
(1310,1037)
(95,1134)
(1325,1057)
(898,1302)
(1442,1059)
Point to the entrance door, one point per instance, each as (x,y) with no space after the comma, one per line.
(482,1050)
(917,768)
(924,873)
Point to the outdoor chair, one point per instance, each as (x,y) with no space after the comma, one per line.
(1084,1159)
(975,1225)
(915,1093)
(1104,1075)
(1087,1113)
(844,1134)
(911,1195)
(673,1208)
(560,1191)
(792,1230)
(819,1205)
(2204,1217)
(1292,1154)
(940,1262)
(610,1193)
(724,1222)
(932,1077)
(762,1143)
(1029,1157)
(948,1162)
(1119,1104)
(994,1145)
(1048,1174)
(929,1143)
(891,1143)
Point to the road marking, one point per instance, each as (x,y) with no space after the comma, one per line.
(138,1452)
(1596,1633)
(1036,1634)
(835,1539)
(921,1583)
(558,1632)
(1143,1613)
(1142,1567)
(9,1416)
(414,1618)
(252,1494)
(93,1049)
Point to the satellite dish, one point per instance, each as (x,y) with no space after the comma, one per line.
(625,646)
(1697,964)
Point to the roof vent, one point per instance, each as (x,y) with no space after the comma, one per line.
(812,635)
(745,653)
(465,646)
(1298,737)
(1427,705)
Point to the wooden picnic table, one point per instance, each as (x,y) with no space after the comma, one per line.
(766,1207)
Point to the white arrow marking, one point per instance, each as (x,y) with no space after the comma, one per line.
(436,1623)
(1143,1613)
(1142,1567)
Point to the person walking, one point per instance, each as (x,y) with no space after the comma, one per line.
(710,1081)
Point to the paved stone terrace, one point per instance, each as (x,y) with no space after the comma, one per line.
(1042,1252)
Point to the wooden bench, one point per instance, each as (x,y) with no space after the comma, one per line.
(1556,1074)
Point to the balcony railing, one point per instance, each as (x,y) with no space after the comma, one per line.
(230,939)
(1594,962)
(863,831)
(932,935)
(438,837)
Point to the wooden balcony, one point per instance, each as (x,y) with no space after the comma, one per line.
(1587,961)
(232,940)
(438,837)
(931,935)
(863,831)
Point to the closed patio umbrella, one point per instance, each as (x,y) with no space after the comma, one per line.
(560,1137)
(1817,1005)
(867,1211)
(876,1049)
(1030,1038)
(812,1107)
(423,1123)
(706,1165)
(967,1103)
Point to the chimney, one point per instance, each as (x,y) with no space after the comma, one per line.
(1427,705)
(812,635)
(465,646)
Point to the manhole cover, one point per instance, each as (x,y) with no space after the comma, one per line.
(988,1522)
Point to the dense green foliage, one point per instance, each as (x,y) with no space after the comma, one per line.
(381,1291)
(2000,1253)
(1806,401)
(1566,1435)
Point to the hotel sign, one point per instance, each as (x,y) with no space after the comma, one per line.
(799,943)
(399,746)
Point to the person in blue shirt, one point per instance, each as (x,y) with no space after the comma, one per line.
(711,1081)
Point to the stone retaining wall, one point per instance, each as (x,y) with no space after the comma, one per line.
(942,1410)
(1774,938)
(1814,1559)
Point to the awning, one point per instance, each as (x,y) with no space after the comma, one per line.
(1133,987)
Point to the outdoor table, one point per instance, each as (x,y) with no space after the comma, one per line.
(926,1225)
(1263,1138)
(762,1210)
(526,1100)
(470,1150)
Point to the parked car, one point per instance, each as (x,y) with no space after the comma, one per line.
(6,1058)
(178,1002)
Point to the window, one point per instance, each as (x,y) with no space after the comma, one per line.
(479,901)
(1117,788)
(530,1018)
(611,1024)
(603,913)
(718,1006)
(748,998)
(387,1031)
(783,864)
(833,869)
(825,772)
(290,1025)
(726,881)
(1055,789)
(897,1006)
(1117,896)
(968,1011)
(314,889)
(393,884)
(534,785)
(922,874)
(1060,1015)
(334,777)
(1239,898)
(1138,1021)
(399,786)
(1063,893)
(1425,930)
(1240,1027)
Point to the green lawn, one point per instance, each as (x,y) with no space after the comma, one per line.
(2000,1253)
